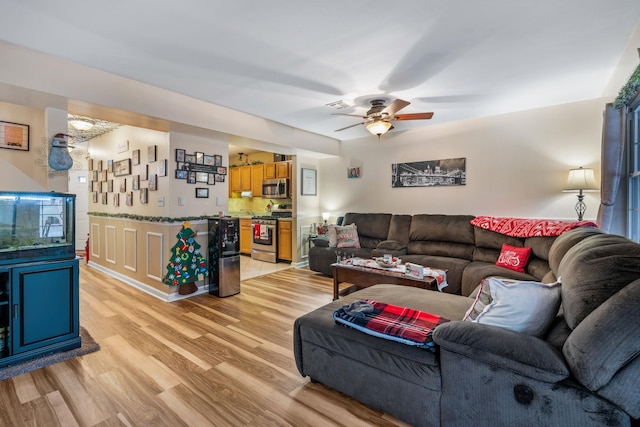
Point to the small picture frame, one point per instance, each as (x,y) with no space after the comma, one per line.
(153,182)
(123,185)
(217,160)
(309,182)
(202,177)
(189,158)
(14,136)
(152,152)
(181,166)
(181,174)
(99,165)
(110,166)
(122,167)
(222,170)
(209,160)
(135,157)
(202,193)
(94,197)
(129,199)
(211,180)
(110,186)
(162,167)
(144,172)
(144,196)
(90,164)
(94,176)
(116,199)
(199,158)
(191,177)
(180,155)
(219,178)
(353,172)
(103,175)
(135,182)
(105,199)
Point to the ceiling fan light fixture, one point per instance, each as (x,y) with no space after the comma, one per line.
(81,124)
(378,127)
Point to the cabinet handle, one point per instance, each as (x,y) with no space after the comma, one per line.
(15,311)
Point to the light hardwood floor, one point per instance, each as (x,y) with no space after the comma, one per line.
(203,361)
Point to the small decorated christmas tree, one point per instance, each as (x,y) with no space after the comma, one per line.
(187,263)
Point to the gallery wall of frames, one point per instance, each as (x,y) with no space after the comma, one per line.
(114,181)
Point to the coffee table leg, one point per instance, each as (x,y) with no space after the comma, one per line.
(336,294)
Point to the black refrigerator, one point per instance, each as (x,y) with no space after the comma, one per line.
(224,256)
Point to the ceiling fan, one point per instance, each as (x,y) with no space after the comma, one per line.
(379,117)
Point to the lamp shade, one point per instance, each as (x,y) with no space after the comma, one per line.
(581,179)
(378,127)
(325,216)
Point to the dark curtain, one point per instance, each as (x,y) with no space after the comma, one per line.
(612,163)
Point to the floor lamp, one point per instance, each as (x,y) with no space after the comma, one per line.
(581,180)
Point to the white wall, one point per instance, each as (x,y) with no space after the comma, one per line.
(517,165)
(218,194)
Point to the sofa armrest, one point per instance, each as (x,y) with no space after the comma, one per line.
(520,353)
(320,242)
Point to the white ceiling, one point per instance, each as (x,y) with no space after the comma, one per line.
(285,60)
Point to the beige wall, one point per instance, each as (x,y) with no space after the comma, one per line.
(517,165)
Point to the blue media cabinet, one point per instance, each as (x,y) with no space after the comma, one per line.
(39,309)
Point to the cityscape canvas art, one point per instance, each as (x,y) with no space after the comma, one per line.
(429,173)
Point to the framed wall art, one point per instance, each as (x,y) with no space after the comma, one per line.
(135,157)
(162,167)
(202,193)
(153,182)
(212,179)
(429,173)
(180,155)
(14,136)
(309,182)
(122,167)
(152,153)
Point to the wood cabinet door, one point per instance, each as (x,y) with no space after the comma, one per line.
(234,177)
(282,170)
(245,236)
(257,175)
(285,247)
(245,178)
(269,170)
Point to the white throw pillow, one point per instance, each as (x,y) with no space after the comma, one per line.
(521,306)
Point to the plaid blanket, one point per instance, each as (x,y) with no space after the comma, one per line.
(392,322)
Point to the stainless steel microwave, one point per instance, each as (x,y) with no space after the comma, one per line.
(275,188)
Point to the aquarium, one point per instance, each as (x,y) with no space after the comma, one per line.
(36,226)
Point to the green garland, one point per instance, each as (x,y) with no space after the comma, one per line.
(628,91)
(150,218)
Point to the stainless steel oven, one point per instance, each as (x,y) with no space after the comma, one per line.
(264,246)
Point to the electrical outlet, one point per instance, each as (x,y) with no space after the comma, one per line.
(218,201)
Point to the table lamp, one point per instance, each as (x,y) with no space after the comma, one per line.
(581,180)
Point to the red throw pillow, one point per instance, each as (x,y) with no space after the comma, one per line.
(513,258)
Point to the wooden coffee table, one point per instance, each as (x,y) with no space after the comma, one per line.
(363,277)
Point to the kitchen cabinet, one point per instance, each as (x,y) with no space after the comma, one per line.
(257,175)
(283,169)
(285,250)
(234,178)
(269,171)
(245,178)
(246,236)
(39,309)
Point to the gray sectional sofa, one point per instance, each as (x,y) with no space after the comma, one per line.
(448,242)
(583,371)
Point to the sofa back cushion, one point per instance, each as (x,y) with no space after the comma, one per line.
(593,270)
(373,228)
(399,228)
(441,235)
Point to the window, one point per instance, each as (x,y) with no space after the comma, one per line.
(633,137)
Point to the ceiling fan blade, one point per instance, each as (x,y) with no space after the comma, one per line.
(350,115)
(414,116)
(350,126)
(396,105)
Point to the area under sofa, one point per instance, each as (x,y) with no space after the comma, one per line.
(583,371)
